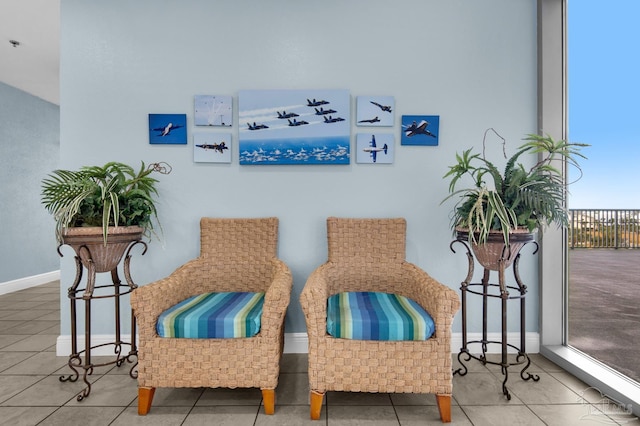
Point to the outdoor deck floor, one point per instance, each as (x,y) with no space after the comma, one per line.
(604,306)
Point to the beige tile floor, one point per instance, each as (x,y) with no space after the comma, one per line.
(32,394)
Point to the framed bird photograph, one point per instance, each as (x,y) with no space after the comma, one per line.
(422,130)
(168,129)
(374,148)
(212,147)
(375,111)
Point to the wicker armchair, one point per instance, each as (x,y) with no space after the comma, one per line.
(236,255)
(369,255)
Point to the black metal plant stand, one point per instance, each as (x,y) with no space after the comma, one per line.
(108,291)
(503,292)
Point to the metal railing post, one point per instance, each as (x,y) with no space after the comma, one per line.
(592,228)
(615,230)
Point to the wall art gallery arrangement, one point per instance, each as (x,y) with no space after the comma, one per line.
(277,127)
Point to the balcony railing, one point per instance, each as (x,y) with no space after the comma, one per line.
(593,228)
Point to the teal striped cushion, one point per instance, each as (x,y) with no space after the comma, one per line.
(213,316)
(377,316)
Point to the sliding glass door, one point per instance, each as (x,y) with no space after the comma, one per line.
(588,92)
(603,76)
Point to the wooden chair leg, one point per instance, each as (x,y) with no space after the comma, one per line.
(145,397)
(269,400)
(316,404)
(444,407)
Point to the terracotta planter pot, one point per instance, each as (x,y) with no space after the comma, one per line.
(88,243)
(494,250)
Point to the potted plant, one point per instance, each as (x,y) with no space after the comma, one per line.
(509,206)
(100,210)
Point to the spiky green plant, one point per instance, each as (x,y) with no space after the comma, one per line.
(110,195)
(519,197)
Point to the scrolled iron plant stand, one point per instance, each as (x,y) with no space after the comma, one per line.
(115,290)
(501,291)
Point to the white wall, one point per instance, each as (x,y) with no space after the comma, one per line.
(471,62)
(29,149)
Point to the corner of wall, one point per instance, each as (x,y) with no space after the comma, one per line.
(28,282)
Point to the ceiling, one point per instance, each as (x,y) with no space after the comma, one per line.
(34,65)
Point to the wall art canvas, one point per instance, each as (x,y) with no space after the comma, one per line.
(294,126)
(374,148)
(168,129)
(212,147)
(375,110)
(420,130)
(213,110)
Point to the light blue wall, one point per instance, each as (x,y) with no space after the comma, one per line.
(471,62)
(29,149)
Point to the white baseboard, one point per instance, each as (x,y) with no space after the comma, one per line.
(28,282)
(531,341)
(297,343)
(63,345)
(294,343)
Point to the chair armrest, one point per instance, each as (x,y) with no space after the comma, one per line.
(440,301)
(313,300)
(276,300)
(150,300)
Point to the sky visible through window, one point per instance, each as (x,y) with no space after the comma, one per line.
(604,101)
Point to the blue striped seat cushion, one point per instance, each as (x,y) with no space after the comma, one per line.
(213,316)
(377,316)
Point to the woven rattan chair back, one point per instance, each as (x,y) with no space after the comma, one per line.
(239,240)
(370,240)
